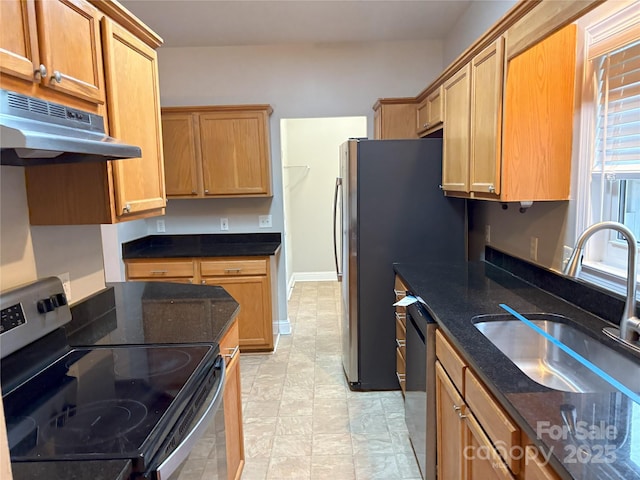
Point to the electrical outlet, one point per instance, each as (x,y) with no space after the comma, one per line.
(224,224)
(533,250)
(66,285)
(487,234)
(264,221)
(160,226)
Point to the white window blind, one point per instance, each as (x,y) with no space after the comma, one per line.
(617,149)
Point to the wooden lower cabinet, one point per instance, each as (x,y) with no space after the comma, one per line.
(400,291)
(450,428)
(247,279)
(253,295)
(471,424)
(233,403)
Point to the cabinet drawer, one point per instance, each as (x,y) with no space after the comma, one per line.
(400,369)
(401,329)
(209,268)
(229,344)
(451,361)
(499,427)
(160,269)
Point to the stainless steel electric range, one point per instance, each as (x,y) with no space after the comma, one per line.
(146,405)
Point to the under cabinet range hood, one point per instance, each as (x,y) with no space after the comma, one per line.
(38,132)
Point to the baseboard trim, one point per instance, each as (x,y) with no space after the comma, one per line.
(314,277)
(284,326)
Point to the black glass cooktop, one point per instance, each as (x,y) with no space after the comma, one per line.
(104,402)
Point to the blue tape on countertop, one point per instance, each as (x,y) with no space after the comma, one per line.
(594,368)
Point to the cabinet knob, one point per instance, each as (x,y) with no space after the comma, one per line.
(42,71)
(425,125)
(126,209)
(492,189)
(203,282)
(57,77)
(206,191)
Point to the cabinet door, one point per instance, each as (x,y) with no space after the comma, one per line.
(430,112)
(481,461)
(18,39)
(254,296)
(181,151)
(487,73)
(455,141)
(535,467)
(134,117)
(70,48)
(450,426)
(538,122)
(235,153)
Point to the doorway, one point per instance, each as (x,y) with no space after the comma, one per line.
(310,165)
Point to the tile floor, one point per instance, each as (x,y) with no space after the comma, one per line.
(301,421)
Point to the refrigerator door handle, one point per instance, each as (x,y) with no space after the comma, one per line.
(335,218)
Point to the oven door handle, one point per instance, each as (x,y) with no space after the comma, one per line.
(182,451)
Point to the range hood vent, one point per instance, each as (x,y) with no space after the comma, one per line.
(38,132)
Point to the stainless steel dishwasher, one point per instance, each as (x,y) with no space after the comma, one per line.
(420,411)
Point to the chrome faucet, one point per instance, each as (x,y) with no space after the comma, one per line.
(629,332)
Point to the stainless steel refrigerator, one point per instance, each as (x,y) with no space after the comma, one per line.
(388,207)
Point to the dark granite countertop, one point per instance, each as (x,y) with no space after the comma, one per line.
(203,245)
(137,313)
(454,294)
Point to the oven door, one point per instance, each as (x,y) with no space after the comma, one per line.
(204,447)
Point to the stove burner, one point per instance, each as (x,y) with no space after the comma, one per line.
(154,363)
(95,423)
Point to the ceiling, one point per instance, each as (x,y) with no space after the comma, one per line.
(192,23)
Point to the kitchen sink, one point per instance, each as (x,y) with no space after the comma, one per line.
(547,364)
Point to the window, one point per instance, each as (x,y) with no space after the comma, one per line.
(610,188)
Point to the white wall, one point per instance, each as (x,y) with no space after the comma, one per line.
(314,143)
(28,253)
(298,81)
(476,20)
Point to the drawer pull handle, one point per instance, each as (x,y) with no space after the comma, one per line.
(456,408)
(461,415)
(401,316)
(401,343)
(232,270)
(158,272)
(400,293)
(233,352)
(401,377)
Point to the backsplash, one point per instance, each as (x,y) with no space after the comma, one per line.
(591,298)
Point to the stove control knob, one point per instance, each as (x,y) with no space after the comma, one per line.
(45,305)
(58,300)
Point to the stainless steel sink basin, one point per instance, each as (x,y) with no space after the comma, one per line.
(545,363)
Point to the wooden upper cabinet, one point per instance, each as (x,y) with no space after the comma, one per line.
(538,120)
(487,77)
(54,45)
(120,190)
(394,118)
(235,153)
(455,140)
(134,117)
(18,39)
(70,47)
(183,173)
(217,151)
(430,112)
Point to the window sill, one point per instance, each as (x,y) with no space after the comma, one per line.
(607,277)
